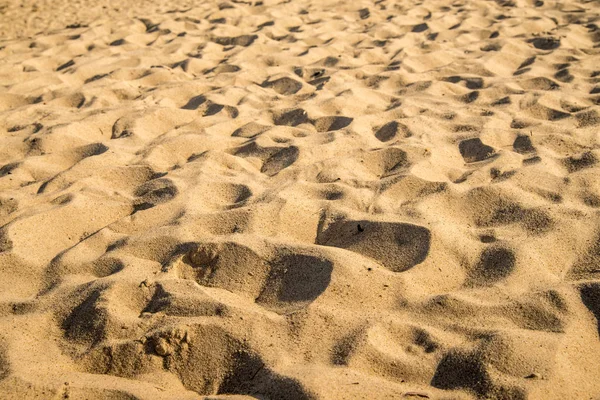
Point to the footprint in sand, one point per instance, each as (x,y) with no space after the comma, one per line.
(284,282)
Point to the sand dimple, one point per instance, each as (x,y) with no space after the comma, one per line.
(523,145)
(194,102)
(285,85)
(291,117)
(392,130)
(220,195)
(154,192)
(580,161)
(243,40)
(250,130)
(397,246)
(495,264)
(282,283)
(280,159)
(295,280)
(326,124)
(546,43)
(473,150)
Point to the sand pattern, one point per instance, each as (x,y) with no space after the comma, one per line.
(300,200)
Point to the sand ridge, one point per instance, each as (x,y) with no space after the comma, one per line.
(299,200)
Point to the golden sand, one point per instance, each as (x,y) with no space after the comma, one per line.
(305,199)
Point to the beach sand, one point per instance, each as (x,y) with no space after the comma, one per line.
(305,199)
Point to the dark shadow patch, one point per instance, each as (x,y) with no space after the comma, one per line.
(580,161)
(521,71)
(495,264)
(502,101)
(474,83)
(518,124)
(295,280)
(265,24)
(118,42)
(150,26)
(62,199)
(459,370)
(470,83)
(469,97)
(397,246)
(16,128)
(553,115)
(285,86)
(344,348)
(95,78)
(252,377)
(179,299)
(243,40)
(332,123)
(5,243)
(212,109)
(587,118)
(474,150)
(87,322)
(319,82)
(154,192)
(487,238)
(492,47)
(532,160)
(7,169)
(66,65)
(564,76)
(590,295)
(90,150)
(293,117)
(545,43)
(391,130)
(460,127)
(527,62)
(280,160)
(587,266)
(250,130)
(105,266)
(284,283)
(523,145)
(591,200)
(540,83)
(194,103)
(420,28)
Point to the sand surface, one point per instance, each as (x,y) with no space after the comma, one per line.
(305,199)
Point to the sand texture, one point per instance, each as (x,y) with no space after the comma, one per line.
(305,199)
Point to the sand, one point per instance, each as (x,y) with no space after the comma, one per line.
(305,199)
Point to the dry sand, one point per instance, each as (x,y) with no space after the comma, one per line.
(299,199)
